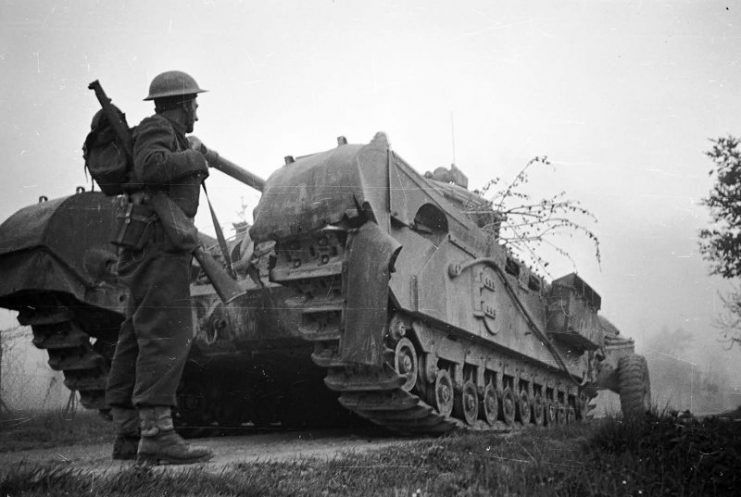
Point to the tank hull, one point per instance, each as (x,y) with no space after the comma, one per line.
(421,320)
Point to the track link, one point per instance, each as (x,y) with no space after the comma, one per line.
(85,368)
(375,394)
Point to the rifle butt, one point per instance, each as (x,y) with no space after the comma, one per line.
(224,285)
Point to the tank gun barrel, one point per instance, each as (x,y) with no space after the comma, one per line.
(231,169)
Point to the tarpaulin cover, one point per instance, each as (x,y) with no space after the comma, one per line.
(35,270)
(26,228)
(64,229)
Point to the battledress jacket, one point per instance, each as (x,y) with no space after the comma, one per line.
(155,337)
(164,161)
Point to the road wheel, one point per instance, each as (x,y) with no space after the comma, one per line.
(538,409)
(570,415)
(560,414)
(489,404)
(443,393)
(405,363)
(508,406)
(467,403)
(634,385)
(550,412)
(523,407)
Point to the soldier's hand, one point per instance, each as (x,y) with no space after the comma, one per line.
(197,145)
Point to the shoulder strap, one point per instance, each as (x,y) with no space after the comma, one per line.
(219,234)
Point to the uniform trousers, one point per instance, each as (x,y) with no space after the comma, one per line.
(156,335)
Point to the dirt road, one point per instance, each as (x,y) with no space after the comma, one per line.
(326,444)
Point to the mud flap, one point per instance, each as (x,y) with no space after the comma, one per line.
(371,254)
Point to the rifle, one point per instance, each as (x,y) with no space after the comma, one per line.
(114,118)
(231,169)
(224,285)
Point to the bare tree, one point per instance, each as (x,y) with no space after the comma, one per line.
(729,323)
(525,224)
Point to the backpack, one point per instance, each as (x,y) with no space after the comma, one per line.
(105,157)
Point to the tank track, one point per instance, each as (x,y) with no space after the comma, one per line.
(387,396)
(378,394)
(375,394)
(58,330)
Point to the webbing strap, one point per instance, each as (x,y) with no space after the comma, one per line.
(219,235)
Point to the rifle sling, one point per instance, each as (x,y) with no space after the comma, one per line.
(219,234)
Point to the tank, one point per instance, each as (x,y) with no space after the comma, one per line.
(56,270)
(371,292)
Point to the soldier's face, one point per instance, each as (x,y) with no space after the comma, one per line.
(191,115)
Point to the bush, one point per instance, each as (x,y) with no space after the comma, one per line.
(674,455)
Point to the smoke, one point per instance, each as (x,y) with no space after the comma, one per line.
(692,370)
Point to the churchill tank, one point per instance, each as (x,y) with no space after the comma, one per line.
(370,291)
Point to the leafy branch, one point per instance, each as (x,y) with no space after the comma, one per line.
(720,243)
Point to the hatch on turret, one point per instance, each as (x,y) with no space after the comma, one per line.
(453,185)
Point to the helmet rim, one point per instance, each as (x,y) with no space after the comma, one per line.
(173,84)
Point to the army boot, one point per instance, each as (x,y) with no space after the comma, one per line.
(160,444)
(126,444)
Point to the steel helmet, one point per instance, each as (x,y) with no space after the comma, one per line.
(173,84)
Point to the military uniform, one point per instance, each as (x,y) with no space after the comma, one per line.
(155,337)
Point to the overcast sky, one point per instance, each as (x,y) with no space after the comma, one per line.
(622,97)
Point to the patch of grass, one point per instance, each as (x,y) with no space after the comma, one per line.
(26,480)
(657,456)
(21,430)
(672,455)
(469,465)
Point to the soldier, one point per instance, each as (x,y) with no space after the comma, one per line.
(156,335)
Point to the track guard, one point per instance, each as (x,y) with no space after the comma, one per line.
(371,254)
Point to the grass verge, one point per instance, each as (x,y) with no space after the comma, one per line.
(22,430)
(652,456)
